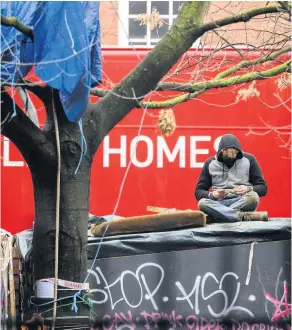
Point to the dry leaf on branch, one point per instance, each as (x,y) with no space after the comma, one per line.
(153,19)
(166,122)
(246,93)
(284,81)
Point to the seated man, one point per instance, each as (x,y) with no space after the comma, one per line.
(237,183)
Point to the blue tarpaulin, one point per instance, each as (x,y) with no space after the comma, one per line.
(66,51)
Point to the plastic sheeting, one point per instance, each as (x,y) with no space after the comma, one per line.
(24,243)
(213,235)
(66,50)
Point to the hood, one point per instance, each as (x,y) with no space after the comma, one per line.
(229,141)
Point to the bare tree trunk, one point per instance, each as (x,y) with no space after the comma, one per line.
(74,198)
(73,226)
(74,203)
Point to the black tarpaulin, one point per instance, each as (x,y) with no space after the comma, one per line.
(213,235)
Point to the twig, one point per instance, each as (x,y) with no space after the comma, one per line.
(14,22)
(229,44)
(285,5)
(283,103)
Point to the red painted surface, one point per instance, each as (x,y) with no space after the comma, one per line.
(163,182)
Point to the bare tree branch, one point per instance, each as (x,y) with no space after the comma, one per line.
(14,22)
(192,87)
(229,44)
(109,109)
(100,92)
(202,87)
(283,103)
(179,38)
(189,27)
(18,127)
(244,17)
(246,64)
(285,5)
(42,92)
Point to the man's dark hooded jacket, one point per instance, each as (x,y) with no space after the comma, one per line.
(217,175)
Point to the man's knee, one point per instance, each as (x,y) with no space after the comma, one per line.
(202,204)
(251,200)
(252,196)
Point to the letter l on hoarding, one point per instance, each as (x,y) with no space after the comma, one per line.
(6,161)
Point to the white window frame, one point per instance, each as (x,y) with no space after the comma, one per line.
(123,26)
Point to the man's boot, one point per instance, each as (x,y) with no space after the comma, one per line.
(254,216)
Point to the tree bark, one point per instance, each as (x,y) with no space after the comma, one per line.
(39,150)
(74,202)
(74,199)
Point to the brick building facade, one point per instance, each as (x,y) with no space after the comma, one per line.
(119,27)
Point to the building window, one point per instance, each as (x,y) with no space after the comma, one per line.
(131,33)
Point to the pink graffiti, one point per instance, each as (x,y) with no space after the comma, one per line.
(279,304)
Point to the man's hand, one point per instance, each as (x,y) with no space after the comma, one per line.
(219,194)
(240,190)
